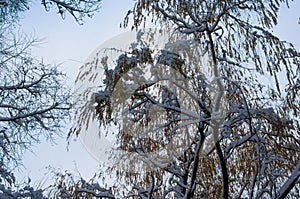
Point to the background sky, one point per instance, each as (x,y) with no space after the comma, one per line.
(67,43)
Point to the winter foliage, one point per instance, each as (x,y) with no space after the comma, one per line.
(217,117)
(205,105)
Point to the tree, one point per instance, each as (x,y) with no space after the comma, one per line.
(34,101)
(236,131)
(78,9)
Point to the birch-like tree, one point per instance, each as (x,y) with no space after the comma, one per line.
(212,114)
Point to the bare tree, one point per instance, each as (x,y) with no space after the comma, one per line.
(34,99)
(78,9)
(33,103)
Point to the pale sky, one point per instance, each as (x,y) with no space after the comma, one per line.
(70,44)
(67,43)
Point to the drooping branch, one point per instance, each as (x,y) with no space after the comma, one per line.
(78,8)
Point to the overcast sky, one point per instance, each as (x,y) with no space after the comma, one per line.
(69,44)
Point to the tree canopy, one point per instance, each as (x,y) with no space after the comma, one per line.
(214,113)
